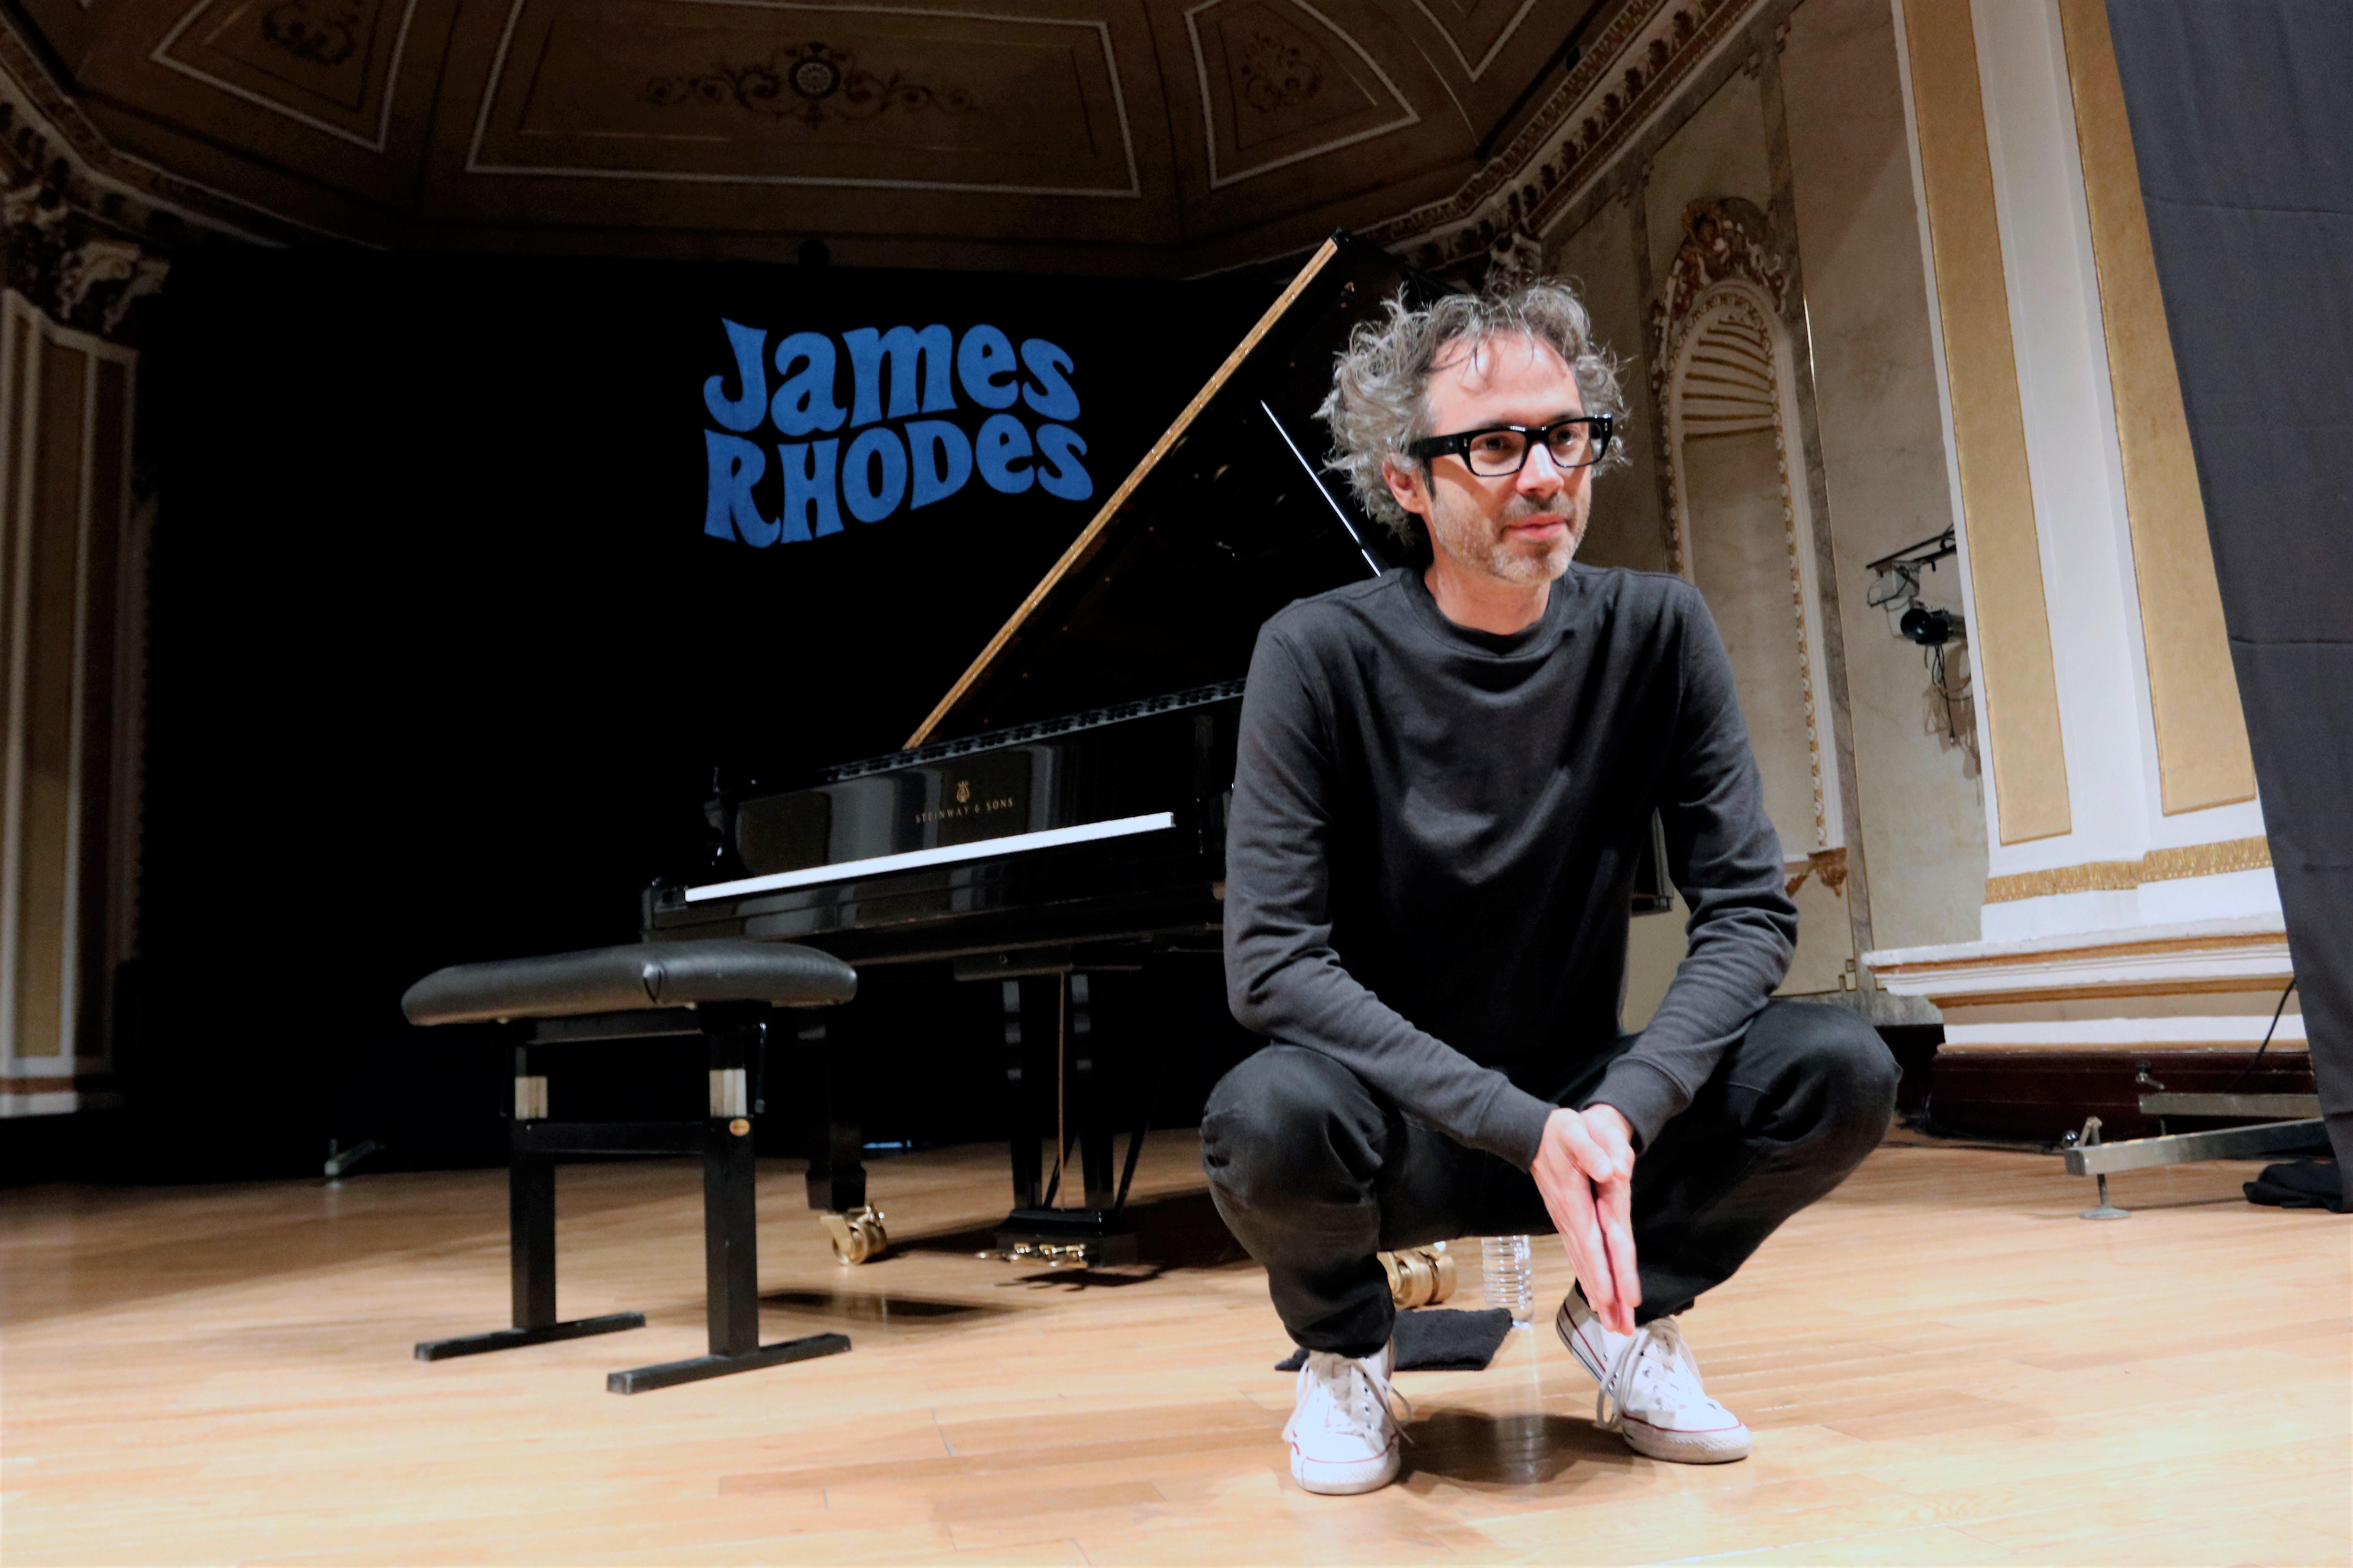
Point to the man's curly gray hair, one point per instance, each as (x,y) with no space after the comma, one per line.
(1380,382)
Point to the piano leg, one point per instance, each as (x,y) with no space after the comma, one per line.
(1054,1101)
(1022,1081)
(1090,1098)
(836,1170)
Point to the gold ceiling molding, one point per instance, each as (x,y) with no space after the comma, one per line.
(2202,757)
(1637,65)
(49,148)
(2124,876)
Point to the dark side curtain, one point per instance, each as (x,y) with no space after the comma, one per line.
(2245,143)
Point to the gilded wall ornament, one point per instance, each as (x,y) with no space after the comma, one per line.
(1724,238)
(811,83)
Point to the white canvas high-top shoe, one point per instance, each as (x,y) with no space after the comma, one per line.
(1651,1390)
(1345,1429)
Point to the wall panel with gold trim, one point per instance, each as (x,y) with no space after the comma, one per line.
(2202,757)
(64,450)
(2013,637)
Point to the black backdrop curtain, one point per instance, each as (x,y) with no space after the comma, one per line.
(445,651)
(2245,146)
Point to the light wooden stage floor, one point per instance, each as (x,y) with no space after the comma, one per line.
(1942,1365)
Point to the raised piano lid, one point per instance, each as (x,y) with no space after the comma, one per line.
(1228,517)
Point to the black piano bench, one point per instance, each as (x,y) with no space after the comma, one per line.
(719,990)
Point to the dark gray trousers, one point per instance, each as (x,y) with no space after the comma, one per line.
(1314,1173)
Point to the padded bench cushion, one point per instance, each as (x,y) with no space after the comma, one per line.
(622,980)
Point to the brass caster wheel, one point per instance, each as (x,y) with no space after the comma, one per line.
(1419,1277)
(856,1234)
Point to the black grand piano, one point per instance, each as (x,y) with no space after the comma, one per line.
(1061,814)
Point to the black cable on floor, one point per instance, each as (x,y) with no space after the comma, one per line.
(2267,1040)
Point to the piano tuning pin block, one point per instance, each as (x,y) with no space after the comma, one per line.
(856,1234)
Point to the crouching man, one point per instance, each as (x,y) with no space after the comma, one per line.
(1446,776)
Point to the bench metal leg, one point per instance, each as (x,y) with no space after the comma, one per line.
(531,1236)
(530,1243)
(512,1339)
(730,1242)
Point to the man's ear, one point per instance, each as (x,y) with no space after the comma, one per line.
(1406,487)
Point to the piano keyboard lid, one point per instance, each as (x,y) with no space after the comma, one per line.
(1228,517)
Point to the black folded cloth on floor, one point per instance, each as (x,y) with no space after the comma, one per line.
(1438,1338)
(2300,1184)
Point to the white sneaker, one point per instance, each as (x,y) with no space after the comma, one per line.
(1345,1429)
(1650,1393)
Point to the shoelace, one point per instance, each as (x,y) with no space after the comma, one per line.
(1371,1390)
(1610,1405)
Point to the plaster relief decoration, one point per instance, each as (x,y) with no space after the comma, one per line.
(812,84)
(1276,73)
(1515,259)
(317,32)
(850,96)
(1721,240)
(1633,66)
(1282,83)
(331,65)
(74,268)
(1723,380)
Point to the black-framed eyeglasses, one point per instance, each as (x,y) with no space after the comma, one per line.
(1494,450)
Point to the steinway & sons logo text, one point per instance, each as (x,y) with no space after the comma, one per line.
(966,806)
(872,455)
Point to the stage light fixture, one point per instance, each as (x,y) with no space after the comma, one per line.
(1928,627)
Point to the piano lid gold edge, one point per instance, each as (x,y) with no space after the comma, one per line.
(1089,537)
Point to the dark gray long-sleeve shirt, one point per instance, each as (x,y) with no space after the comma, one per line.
(1431,849)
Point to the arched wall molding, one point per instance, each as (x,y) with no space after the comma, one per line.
(1718,324)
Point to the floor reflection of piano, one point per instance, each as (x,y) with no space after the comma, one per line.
(1061,812)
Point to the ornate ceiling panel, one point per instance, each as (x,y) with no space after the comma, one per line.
(1154,136)
(902,99)
(1281,84)
(327,64)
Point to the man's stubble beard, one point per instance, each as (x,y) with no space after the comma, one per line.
(1488,548)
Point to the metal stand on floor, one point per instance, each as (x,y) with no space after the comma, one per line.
(2087,1156)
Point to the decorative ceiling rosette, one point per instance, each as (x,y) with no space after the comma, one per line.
(811,83)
